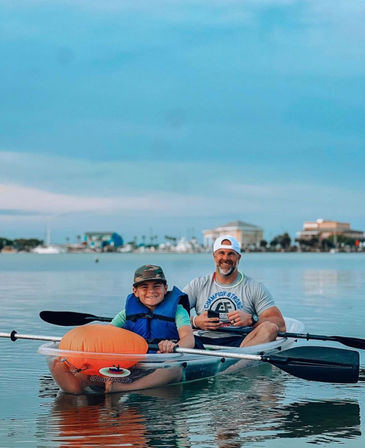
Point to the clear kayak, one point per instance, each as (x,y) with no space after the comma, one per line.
(149,370)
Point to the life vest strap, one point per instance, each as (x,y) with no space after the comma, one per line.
(134,317)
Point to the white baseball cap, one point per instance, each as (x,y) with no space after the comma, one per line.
(234,244)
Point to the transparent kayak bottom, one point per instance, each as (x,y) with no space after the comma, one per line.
(81,372)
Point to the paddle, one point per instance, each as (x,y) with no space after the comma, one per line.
(345,340)
(14,335)
(326,364)
(66,318)
(70,318)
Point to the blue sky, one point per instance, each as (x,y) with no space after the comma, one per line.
(170,117)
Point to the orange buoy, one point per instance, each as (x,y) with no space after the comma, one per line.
(102,346)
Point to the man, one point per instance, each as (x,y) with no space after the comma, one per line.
(234,298)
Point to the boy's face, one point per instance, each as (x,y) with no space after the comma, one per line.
(150,293)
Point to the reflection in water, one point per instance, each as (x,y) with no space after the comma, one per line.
(93,420)
(334,418)
(259,415)
(97,421)
(225,412)
(328,282)
(138,420)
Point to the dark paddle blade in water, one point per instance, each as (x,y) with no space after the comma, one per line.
(70,318)
(327,364)
(350,342)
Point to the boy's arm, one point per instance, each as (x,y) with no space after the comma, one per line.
(119,319)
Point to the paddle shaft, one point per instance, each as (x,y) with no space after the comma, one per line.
(345,340)
(194,351)
(14,335)
(309,336)
(311,363)
(282,334)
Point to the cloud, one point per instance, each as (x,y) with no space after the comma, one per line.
(275,206)
(24,199)
(232,200)
(19,200)
(33,183)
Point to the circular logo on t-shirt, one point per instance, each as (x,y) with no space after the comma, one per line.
(223,306)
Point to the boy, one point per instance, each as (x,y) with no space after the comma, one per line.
(158,315)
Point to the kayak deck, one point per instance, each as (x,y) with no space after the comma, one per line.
(149,370)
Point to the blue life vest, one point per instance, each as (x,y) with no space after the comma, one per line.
(158,324)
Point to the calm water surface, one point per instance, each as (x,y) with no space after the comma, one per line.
(258,408)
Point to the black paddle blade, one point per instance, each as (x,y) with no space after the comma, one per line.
(70,318)
(351,342)
(327,364)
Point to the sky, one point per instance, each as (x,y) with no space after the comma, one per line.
(171,117)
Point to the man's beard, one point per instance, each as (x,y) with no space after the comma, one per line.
(228,272)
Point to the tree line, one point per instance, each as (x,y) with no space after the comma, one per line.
(20,244)
(284,242)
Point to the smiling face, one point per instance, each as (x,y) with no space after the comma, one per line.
(150,293)
(226,260)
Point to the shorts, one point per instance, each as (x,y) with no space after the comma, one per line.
(228,341)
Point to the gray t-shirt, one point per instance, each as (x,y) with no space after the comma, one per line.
(246,294)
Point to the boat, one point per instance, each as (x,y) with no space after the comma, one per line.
(154,370)
(48,248)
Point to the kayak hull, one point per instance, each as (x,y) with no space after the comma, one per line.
(151,370)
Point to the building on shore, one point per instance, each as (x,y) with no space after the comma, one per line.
(323,229)
(102,240)
(248,235)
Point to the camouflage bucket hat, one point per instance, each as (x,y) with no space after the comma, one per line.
(148,272)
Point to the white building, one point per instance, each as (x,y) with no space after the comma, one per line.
(246,234)
(99,240)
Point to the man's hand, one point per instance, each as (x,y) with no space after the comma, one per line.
(204,322)
(239,318)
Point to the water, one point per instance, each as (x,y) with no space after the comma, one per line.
(258,408)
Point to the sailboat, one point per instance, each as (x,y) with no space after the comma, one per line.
(47,249)
(334,250)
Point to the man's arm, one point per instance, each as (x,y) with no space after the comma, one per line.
(189,291)
(273,315)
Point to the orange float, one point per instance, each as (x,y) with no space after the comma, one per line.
(100,347)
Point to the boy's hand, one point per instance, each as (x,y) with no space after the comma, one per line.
(166,346)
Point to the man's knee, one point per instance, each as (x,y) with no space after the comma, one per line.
(269,330)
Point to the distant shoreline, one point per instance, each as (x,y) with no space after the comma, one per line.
(150,252)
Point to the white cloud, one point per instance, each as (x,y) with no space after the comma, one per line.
(233,197)
(135,196)
(21,198)
(20,201)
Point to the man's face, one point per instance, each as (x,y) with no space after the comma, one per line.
(226,260)
(150,293)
